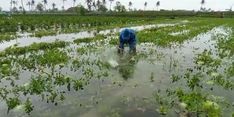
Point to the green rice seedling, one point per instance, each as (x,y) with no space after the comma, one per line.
(12,103)
(28,107)
(44,33)
(88,40)
(35,47)
(52,57)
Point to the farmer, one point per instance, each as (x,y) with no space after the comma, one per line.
(127,36)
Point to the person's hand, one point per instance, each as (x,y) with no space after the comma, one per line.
(120,50)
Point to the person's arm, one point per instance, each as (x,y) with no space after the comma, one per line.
(121,44)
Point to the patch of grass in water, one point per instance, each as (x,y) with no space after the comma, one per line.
(7,36)
(32,48)
(88,40)
(44,33)
(52,57)
(161,36)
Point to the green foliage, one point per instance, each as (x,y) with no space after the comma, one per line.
(102,8)
(230,70)
(44,33)
(88,40)
(119,7)
(81,10)
(78,84)
(12,103)
(7,36)
(162,36)
(37,85)
(28,107)
(226,46)
(32,48)
(52,57)
(206,59)
(212,109)
(43,25)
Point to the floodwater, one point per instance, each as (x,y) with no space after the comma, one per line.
(25,39)
(123,94)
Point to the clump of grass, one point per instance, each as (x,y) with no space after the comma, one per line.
(114,41)
(88,40)
(226,46)
(7,36)
(52,57)
(45,33)
(161,36)
(33,48)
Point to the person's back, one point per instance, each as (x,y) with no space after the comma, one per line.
(127,36)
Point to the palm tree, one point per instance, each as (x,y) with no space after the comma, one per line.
(98,3)
(14,2)
(74,3)
(63,7)
(145,5)
(202,3)
(89,4)
(94,5)
(29,5)
(53,5)
(11,5)
(157,4)
(45,3)
(32,4)
(130,5)
(111,3)
(104,2)
(22,5)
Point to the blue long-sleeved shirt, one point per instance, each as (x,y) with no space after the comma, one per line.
(131,41)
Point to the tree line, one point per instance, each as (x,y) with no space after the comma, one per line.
(90,5)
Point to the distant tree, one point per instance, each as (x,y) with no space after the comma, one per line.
(32,4)
(119,7)
(39,7)
(63,7)
(98,3)
(102,8)
(81,10)
(94,5)
(20,8)
(202,4)
(111,3)
(14,9)
(89,4)
(130,5)
(11,2)
(29,5)
(14,2)
(53,6)
(74,3)
(22,5)
(45,4)
(231,8)
(145,5)
(158,4)
(104,2)
(0,9)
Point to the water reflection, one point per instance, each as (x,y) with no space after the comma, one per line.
(127,64)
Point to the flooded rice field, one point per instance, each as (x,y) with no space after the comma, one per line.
(83,75)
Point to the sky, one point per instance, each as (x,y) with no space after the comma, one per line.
(139,4)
